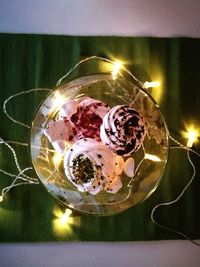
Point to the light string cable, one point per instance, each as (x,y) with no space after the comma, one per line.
(101,59)
(26,179)
(15,95)
(164,204)
(179,146)
(121,67)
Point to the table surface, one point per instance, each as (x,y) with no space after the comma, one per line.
(106,17)
(140,18)
(32,61)
(157,253)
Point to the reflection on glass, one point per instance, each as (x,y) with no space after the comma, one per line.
(150,160)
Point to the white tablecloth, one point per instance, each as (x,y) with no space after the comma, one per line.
(102,17)
(86,254)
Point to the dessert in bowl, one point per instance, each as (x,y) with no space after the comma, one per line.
(110,140)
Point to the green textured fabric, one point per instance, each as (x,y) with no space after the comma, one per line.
(33,61)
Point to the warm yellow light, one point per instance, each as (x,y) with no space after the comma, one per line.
(152,157)
(151,84)
(192,136)
(64,218)
(117,66)
(58,100)
(1,198)
(63,222)
(57,158)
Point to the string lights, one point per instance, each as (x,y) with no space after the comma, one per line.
(62,222)
(152,157)
(63,218)
(192,136)
(58,100)
(116,68)
(57,158)
(148,85)
(21,178)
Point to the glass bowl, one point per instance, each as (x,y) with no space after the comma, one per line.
(150,159)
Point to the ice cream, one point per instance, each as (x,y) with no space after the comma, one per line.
(92,167)
(77,119)
(60,134)
(93,138)
(123,130)
(87,116)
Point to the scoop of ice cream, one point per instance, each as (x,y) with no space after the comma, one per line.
(68,109)
(92,167)
(123,130)
(77,119)
(86,114)
(60,134)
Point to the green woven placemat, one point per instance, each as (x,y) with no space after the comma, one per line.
(31,61)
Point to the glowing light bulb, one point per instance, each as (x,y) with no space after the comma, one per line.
(192,136)
(152,157)
(62,222)
(1,198)
(117,66)
(64,218)
(59,100)
(151,84)
(57,158)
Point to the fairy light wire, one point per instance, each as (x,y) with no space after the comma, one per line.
(20,176)
(180,195)
(14,184)
(27,179)
(15,95)
(15,158)
(98,58)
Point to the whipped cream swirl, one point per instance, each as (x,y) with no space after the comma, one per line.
(77,119)
(123,130)
(92,167)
